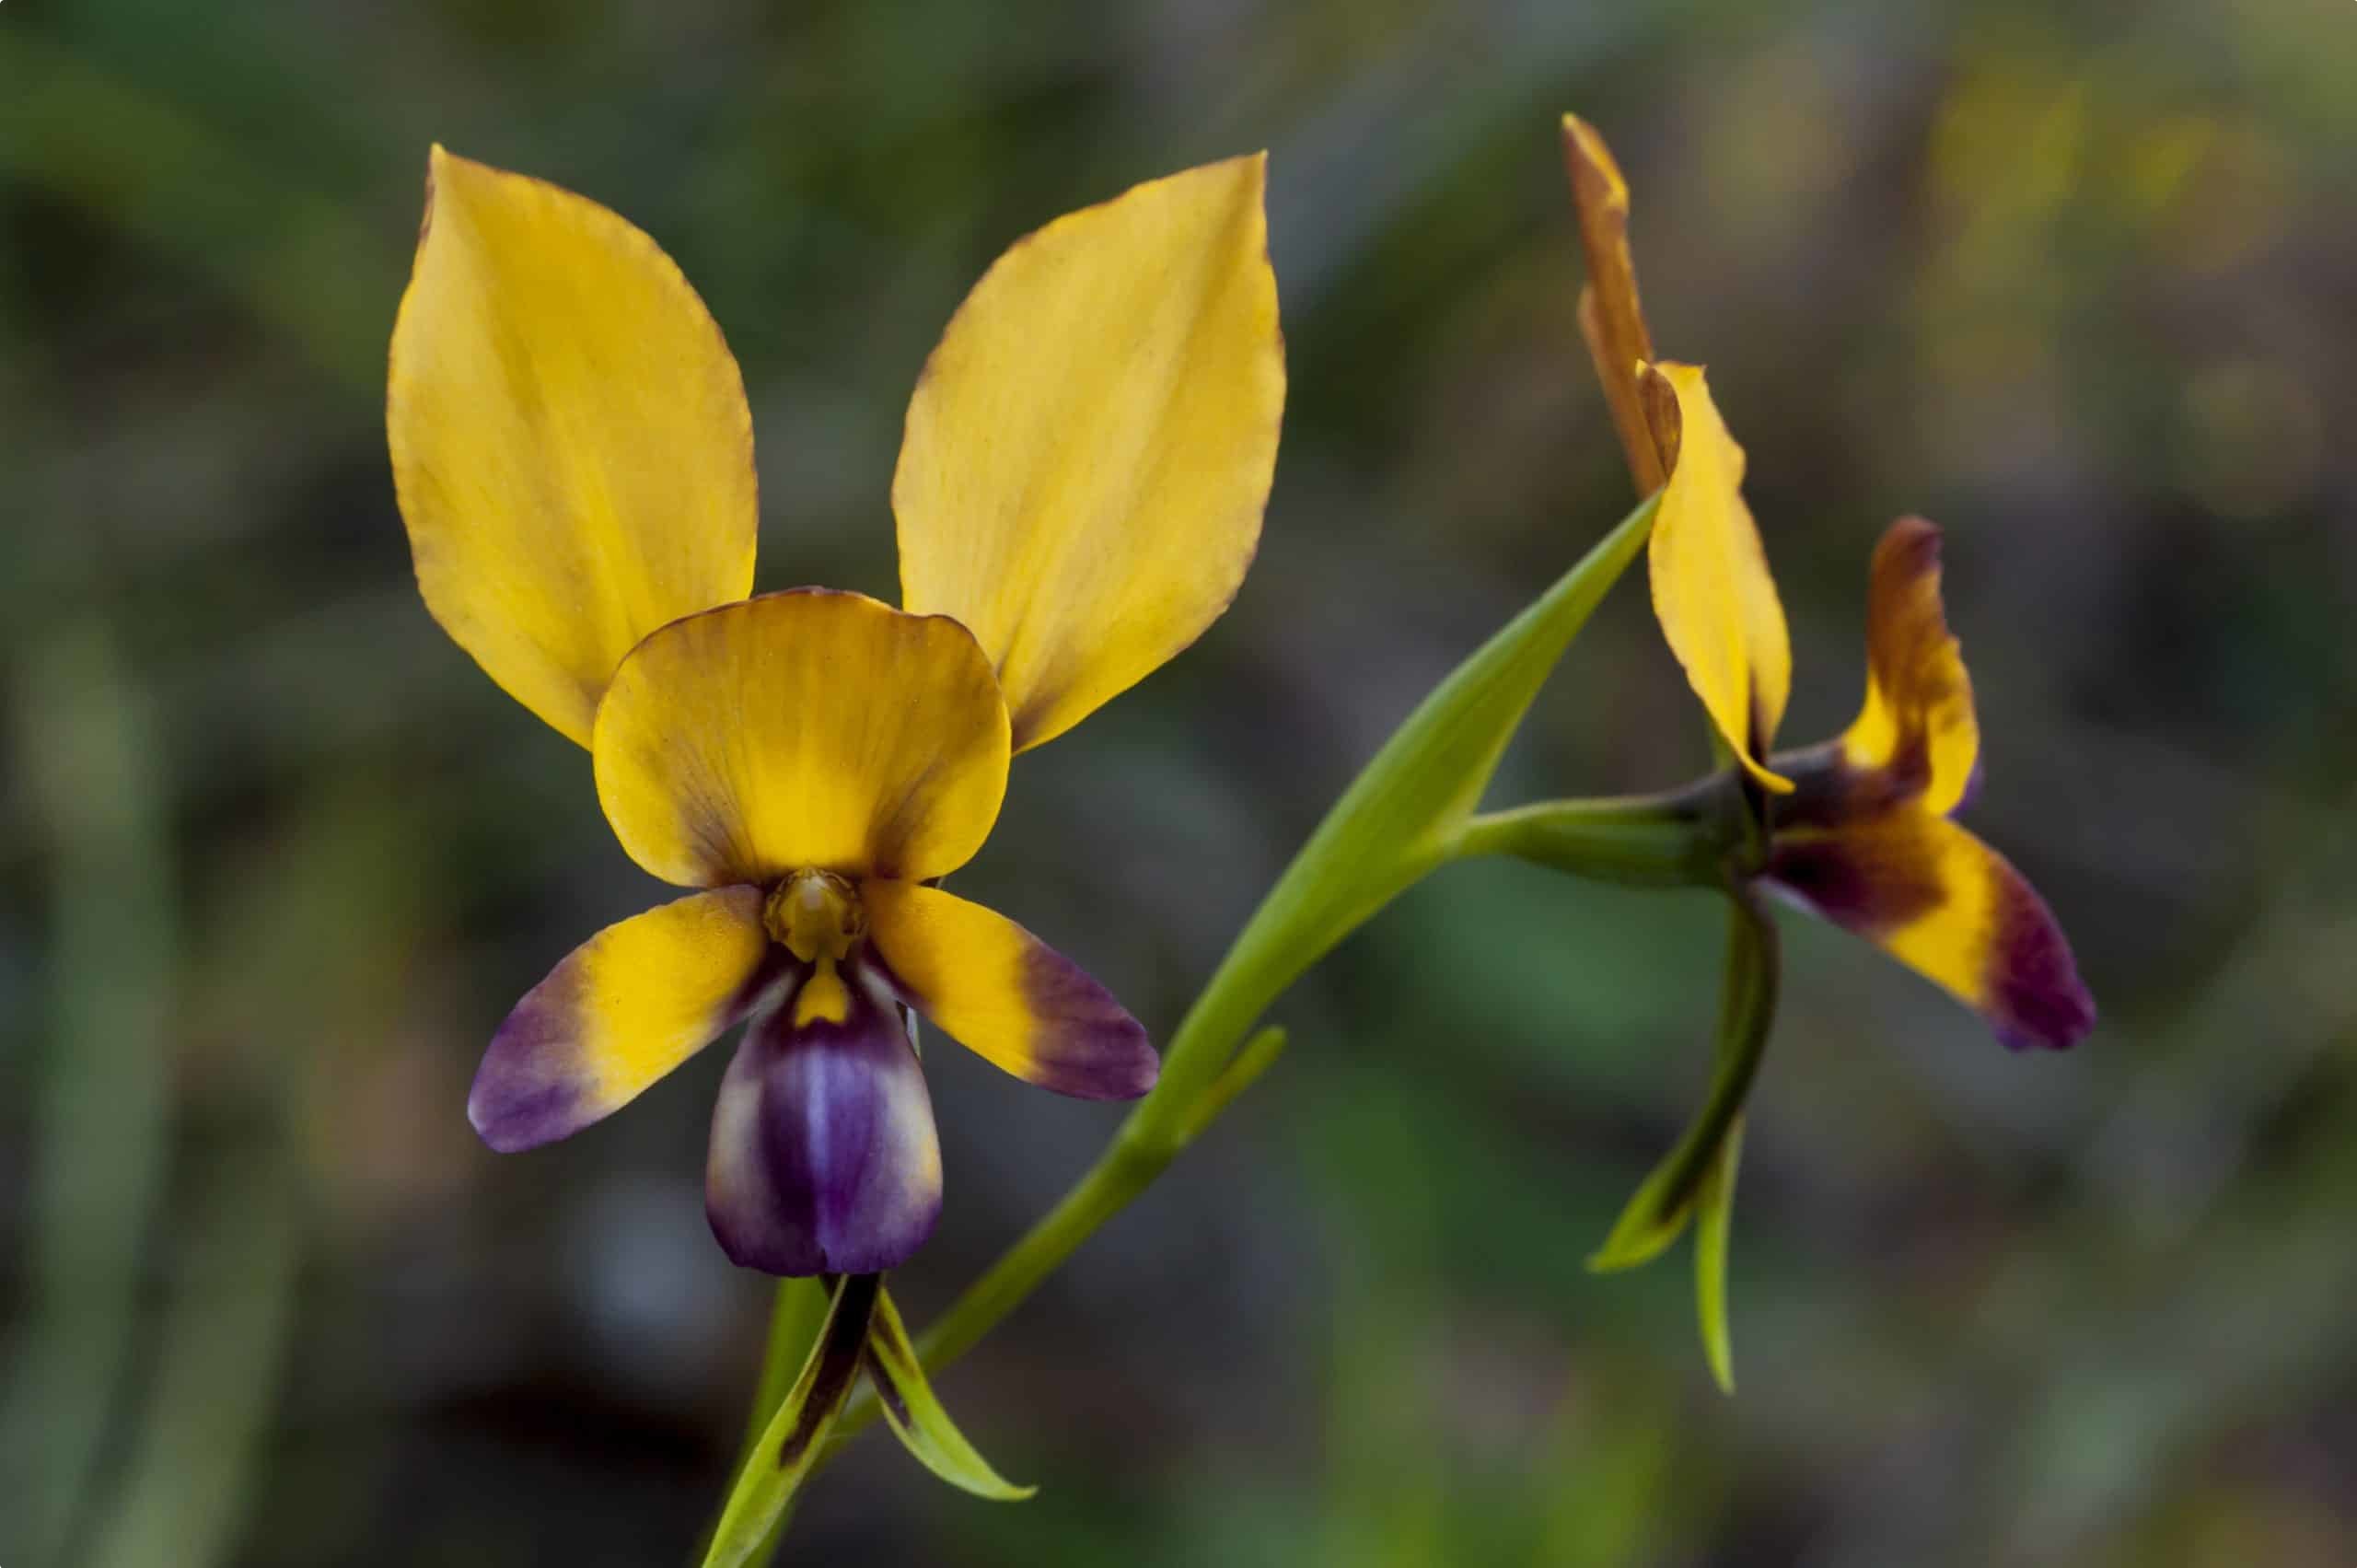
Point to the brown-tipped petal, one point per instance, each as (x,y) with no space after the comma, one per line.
(1952,909)
(1611,319)
(1917,728)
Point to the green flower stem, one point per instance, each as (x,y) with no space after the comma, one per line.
(1681,838)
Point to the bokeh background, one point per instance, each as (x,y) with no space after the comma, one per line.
(275,857)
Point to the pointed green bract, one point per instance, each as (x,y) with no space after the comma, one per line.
(1257,1056)
(1713,1217)
(917,1418)
(798,1431)
(1746,1008)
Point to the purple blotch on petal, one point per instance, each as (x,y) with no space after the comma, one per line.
(1855,881)
(824,1158)
(2037,999)
(530,1089)
(1087,1044)
(538,1082)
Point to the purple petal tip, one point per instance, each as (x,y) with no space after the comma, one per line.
(823,1158)
(1089,1047)
(528,1091)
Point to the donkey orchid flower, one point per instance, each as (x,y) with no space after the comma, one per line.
(1079,492)
(1859,830)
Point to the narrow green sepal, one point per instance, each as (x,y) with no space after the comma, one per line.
(915,1413)
(1713,1217)
(775,1468)
(1666,1200)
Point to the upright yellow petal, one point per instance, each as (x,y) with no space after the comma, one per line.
(571,445)
(1090,448)
(1611,320)
(1917,725)
(1712,595)
(813,731)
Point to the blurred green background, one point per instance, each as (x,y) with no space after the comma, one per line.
(275,857)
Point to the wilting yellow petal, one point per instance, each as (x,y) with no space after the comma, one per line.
(1611,320)
(571,445)
(1712,595)
(1006,995)
(623,1009)
(811,730)
(1918,725)
(1949,907)
(1090,448)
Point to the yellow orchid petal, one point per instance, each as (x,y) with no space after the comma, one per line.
(1004,994)
(1712,595)
(1090,448)
(812,729)
(622,1009)
(571,445)
(1917,726)
(1949,907)
(1611,320)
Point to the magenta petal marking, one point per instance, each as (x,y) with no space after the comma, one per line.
(823,1158)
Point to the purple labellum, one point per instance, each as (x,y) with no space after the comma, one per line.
(823,1157)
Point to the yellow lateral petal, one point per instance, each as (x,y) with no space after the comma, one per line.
(1712,595)
(1918,724)
(622,1009)
(812,729)
(1611,320)
(1089,449)
(1004,994)
(571,445)
(1948,907)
